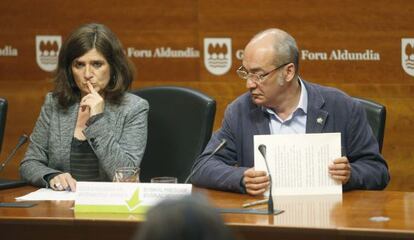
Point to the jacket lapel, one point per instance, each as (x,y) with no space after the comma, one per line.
(260,120)
(316,121)
(67,123)
(316,118)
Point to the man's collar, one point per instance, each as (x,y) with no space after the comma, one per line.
(303,100)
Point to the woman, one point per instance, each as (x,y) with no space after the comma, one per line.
(89,125)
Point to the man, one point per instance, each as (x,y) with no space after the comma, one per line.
(280,102)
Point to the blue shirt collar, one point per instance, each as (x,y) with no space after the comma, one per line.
(303,101)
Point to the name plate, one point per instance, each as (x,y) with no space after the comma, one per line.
(109,197)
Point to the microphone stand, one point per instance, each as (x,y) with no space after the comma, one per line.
(199,164)
(6,183)
(270,209)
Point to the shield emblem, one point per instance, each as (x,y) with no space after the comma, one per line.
(407,55)
(217,55)
(47,51)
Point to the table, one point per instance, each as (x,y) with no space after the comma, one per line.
(304,218)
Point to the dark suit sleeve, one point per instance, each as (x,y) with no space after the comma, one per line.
(368,168)
(221,171)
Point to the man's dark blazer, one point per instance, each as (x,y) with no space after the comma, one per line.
(339,112)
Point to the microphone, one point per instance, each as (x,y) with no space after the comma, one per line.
(22,140)
(270,209)
(199,164)
(5,183)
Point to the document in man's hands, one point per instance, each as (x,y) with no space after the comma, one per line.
(299,163)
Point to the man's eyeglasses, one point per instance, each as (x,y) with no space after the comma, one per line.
(257,78)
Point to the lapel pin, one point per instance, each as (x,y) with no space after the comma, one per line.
(319,120)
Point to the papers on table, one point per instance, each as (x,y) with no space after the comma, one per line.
(45,194)
(96,197)
(299,162)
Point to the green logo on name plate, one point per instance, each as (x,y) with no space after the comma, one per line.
(131,205)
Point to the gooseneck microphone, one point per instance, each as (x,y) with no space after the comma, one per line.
(270,209)
(22,140)
(199,164)
(7,183)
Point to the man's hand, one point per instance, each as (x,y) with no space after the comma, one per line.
(340,169)
(256,182)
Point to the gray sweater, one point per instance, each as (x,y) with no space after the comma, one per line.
(118,138)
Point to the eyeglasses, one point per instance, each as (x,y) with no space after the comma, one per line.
(257,78)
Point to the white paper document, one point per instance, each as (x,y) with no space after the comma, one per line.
(308,211)
(299,163)
(45,194)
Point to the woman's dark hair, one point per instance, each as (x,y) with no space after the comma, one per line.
(79,42)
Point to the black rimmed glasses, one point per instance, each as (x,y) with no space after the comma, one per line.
(257,78)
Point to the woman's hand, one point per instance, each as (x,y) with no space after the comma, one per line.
(62,182)
(93,101)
